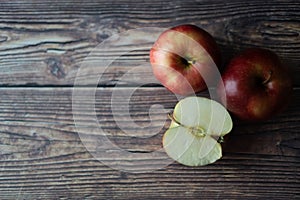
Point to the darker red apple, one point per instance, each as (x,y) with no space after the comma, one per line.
(256,85)
(185,59)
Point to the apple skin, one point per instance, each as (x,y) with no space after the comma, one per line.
(255,85)
(183,59)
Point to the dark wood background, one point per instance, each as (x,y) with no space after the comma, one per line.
(42,44)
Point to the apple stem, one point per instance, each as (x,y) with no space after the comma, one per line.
(191,62)
(220,140)
(268,78)
(171,117)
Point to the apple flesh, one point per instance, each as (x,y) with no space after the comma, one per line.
(255,85)
(184,58)
(197,125)
(189,150)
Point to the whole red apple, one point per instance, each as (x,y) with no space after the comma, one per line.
(185,58)
(255,85)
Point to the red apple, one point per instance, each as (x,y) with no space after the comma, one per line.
(185,58)
(255,85)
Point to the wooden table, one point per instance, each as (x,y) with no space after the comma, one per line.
(43,45)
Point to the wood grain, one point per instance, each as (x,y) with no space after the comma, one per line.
(46,47)
(42,156)
(45,42)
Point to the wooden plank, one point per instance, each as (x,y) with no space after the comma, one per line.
(45,42)
(43,157)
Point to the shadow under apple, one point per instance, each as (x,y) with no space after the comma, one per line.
(278,136)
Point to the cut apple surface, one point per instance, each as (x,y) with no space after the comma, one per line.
(189,149)
(197,125)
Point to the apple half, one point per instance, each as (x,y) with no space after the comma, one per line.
(198,124)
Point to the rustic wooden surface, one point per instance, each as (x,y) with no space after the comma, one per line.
(42,46)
